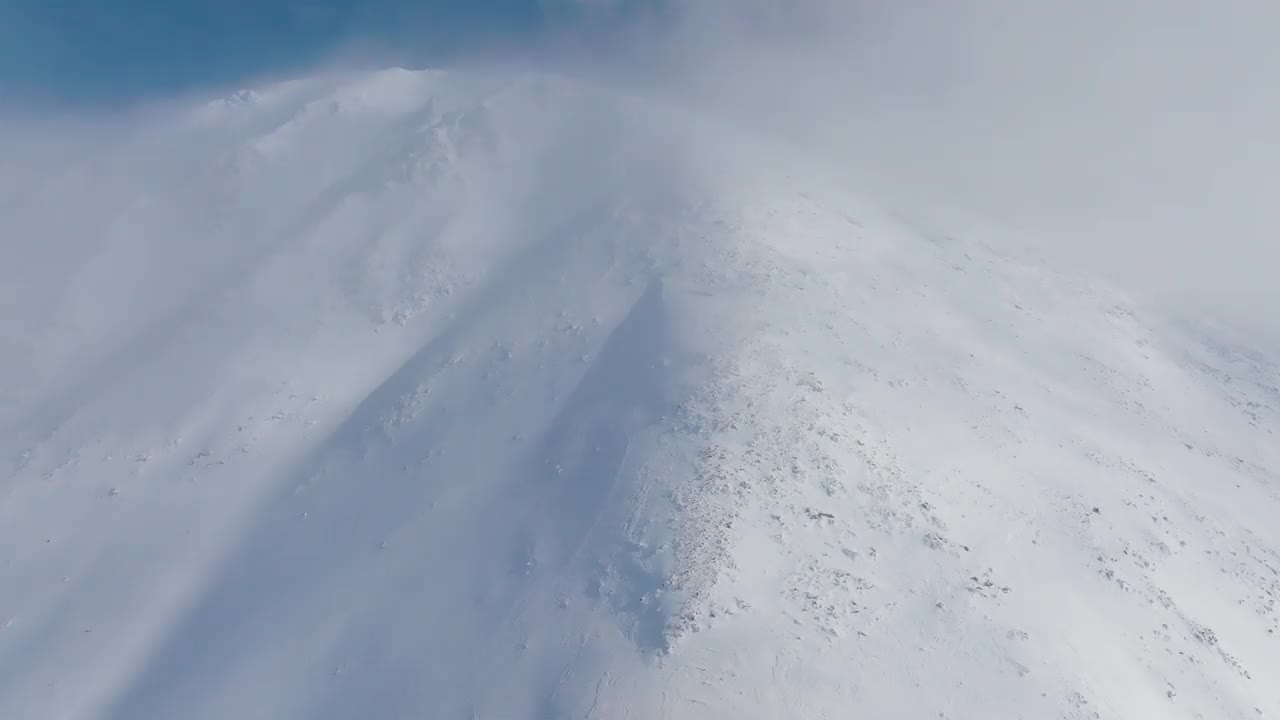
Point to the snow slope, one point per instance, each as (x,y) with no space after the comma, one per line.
(448,395)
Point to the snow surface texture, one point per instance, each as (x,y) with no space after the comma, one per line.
(351,409)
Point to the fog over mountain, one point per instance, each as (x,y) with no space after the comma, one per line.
(626,360)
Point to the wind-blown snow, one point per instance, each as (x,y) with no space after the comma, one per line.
(418,394)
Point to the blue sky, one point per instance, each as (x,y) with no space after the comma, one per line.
(113,50)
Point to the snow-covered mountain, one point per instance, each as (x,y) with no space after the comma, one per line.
(460,395)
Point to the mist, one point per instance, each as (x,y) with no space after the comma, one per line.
(1139,140)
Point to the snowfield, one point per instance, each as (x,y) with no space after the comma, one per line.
(458,395)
